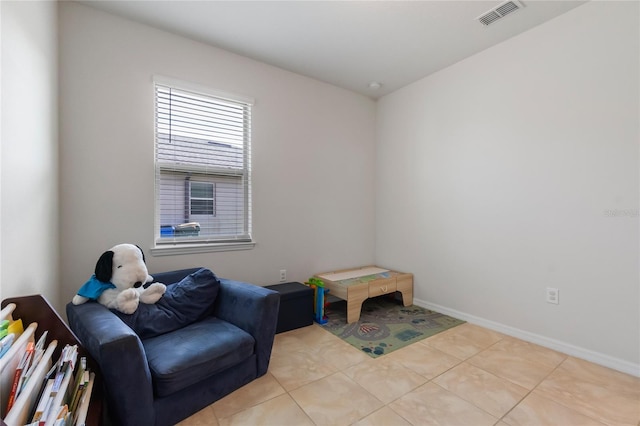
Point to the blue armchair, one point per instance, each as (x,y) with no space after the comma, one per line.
(165,378)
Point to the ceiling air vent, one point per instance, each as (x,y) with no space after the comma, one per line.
(499,12)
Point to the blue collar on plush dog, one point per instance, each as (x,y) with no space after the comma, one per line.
(93,288)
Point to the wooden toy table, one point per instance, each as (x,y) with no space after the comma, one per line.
(357,285)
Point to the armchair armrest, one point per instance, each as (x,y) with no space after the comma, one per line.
(122,360)
(255,310)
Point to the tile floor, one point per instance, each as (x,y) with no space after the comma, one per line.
(467,375)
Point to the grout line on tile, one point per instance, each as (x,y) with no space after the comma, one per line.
(534,388)
(466,400)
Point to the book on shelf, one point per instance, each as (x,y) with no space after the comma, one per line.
(38,352)
(9,333)
(53,400)
(5,343)
(80,414)
(43,401)
(18,376)
(80,382)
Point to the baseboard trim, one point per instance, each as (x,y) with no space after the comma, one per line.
(566,348)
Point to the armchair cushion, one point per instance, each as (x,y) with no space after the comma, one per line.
(197,351)
(183,303)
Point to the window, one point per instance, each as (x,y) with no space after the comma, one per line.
(203,173)
(201,199)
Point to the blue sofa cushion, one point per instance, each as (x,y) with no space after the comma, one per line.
(197,351)
(183,303)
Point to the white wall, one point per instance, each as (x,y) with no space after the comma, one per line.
(313,153)
(29,167)
(496,178)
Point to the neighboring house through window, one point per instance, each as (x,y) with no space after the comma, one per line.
(203,167)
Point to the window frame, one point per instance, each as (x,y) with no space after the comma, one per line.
(185,245)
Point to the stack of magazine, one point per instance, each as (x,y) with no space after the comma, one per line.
(35,390)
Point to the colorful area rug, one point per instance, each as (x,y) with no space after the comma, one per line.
(385,325)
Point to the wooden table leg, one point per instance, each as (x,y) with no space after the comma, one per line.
(405,287)
(356,295)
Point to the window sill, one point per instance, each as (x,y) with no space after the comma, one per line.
(178,249)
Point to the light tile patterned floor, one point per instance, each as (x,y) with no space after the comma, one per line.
(467,375)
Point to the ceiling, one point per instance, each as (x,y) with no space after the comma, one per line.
(346,43)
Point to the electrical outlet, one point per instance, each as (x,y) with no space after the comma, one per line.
(553,295)
(283,275)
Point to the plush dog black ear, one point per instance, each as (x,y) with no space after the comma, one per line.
(104,267)
(142,253)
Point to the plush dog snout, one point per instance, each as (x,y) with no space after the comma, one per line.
(137,284)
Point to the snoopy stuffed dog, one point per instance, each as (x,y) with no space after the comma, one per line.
(119,279)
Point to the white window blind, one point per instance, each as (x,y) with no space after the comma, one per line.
(203,167)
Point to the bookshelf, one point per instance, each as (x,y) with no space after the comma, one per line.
(37,309)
